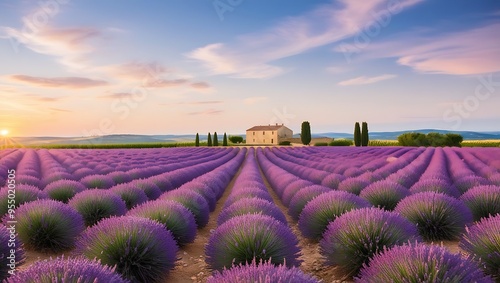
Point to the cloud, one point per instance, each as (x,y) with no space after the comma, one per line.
(62,82)
(366,80)
(468,52)
(42,98)
(251,55)
(137,71)
(200,85)
(60,110)
(209,112)
(69,45)
(161,83)
(254,100)
(118,95)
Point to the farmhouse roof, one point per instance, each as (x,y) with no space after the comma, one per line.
(266,128)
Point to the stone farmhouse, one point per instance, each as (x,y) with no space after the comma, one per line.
(271,134)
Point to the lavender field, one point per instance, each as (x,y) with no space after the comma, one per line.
(282,214)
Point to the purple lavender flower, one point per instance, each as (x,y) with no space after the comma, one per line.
(48,225)
(149,187)
(332,180)
(438,216)
(204,190)
(482,242)
(119,177)
(97,181)
(302,197)
(292,189)
(23,194)
(247,193)
(64,190)
(251,236)
(80,173)
(28,180)
(173,215)
(140,249)
(384,194)
(193,201)
(353,185)
(130,194)
(353,238)
(435,185)
(262,272)
(483,201)
(6,251)
(251,206)
(465,183)
(69,270)
(95,205)
(325,208)
(421,263)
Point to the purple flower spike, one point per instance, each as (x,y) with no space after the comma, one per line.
(421,263)
(176,218)
(252,236)
(95,205)
(438,216)
(302,197)
(97,182)
(193,201)
(48,225)
(384,194)
(72,270)
(251,206)
(64,190)
(482,242)
(355,237)
(262,272)
(483,201)
(140,249)
(325,208)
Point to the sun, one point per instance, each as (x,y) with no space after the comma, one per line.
(4,133)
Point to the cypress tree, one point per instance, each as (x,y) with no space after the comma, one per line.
(305,133)
(357,134)
(216,140)
(209,141)
(224,140)
(364,134)
(197,140)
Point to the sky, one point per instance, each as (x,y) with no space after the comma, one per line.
(86,68)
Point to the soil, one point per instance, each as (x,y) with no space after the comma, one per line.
(191,266)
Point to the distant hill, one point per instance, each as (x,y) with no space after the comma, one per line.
(129,138)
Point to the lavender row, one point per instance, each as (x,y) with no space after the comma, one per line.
(252,230)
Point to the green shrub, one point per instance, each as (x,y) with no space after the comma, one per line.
(431,139)
(236,139)
(341,142)
(285,143)
(321,144)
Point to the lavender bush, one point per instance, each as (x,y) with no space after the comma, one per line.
(482,241)
(24,194)
(97,181)
(130,194)
(251,206)
(193,201)
(64,190)
(325,208)
(262,272)
(79,270)
(140,249)
(252,236)
(356,236)
(48,225)
(302,197)
(483,201)
(95,205)
(384,194)
(438,216)
(173,215)
(421,263)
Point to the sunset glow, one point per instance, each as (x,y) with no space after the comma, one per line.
(84,68)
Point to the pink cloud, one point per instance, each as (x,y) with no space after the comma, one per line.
(62,82)
(200,85)
(468,52)
(366,80)
(251,55)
